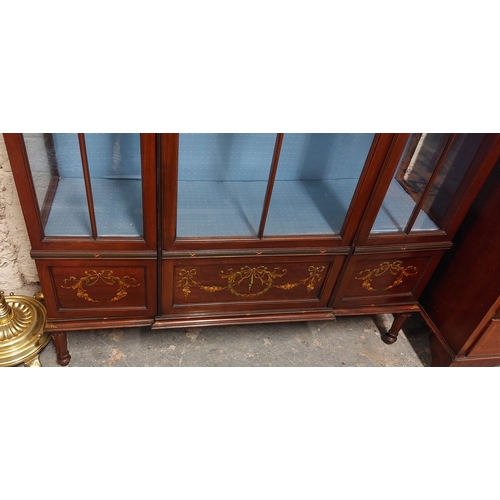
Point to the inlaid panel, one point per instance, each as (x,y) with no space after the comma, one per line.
(95,287)
(249,282)
(378,278)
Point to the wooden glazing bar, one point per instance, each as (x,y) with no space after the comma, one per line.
(150,189)
(428,188)
(270,183)
(168,164)
(54,178)
(88,186)
(48,140)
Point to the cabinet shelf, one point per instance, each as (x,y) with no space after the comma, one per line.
(219,208)
(232,208)
(309,206)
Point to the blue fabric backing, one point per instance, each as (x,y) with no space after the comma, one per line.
(117,206)
(115,172)
(297,207)
(222,183)
(223,178)
(110,156)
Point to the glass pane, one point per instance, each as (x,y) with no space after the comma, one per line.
(222,183)
(316,179)
(415,170)
(450,176)
(56,169)
(417,164)
(115,171)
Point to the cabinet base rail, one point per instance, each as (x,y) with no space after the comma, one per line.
(58,329)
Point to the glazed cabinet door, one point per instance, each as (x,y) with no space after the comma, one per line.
(237,191)
(89,201)
(420,197)
(86,191)
(427,185)
(258,226)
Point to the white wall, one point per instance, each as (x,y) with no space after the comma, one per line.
(18,272)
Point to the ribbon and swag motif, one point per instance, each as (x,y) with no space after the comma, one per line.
(396,269)
(247,277)
(92,277)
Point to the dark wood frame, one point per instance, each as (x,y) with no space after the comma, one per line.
(477,172)
(376,159)
(161,249)
(54,170)
(25,188)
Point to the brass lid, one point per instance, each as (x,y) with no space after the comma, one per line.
(22,336)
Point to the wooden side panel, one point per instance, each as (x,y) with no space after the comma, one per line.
(489,341)
(90,288)
(385,278)
(248,283)
(461,295)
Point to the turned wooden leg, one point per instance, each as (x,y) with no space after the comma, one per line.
(392,335)
(61,343)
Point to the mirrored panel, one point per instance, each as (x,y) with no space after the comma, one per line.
(56,169)
(315,182)
(115,171)
(222,183)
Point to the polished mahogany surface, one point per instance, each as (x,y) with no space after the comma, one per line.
(196,229)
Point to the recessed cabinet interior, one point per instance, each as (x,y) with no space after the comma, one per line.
(175,230)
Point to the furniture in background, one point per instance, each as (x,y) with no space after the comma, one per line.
(178,230)
(462,300)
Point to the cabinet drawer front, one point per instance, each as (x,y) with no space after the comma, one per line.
(397,277)
(90,288)
(241,283)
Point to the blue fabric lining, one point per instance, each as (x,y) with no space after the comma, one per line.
(223,179)
(115,171)
(396,210)
(234,208)
(117,206)
(297,207)
(222,183)
(110,156)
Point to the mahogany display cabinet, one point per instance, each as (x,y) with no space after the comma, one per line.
(178,230)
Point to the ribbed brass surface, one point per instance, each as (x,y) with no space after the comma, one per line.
(22,336)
